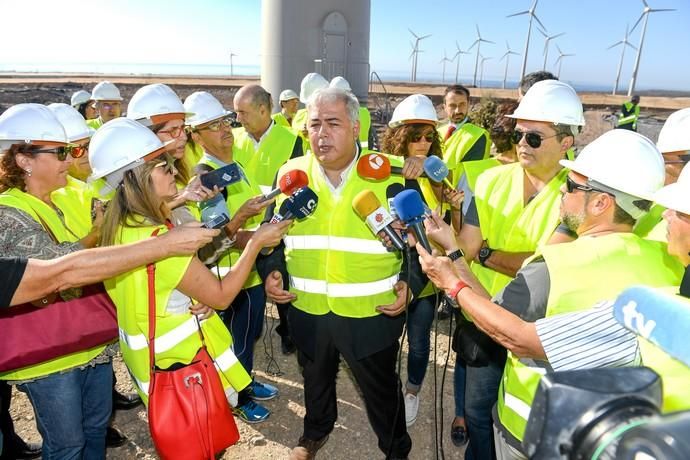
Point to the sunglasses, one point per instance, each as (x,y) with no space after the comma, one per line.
(60,152)
(78,151)
(428,137)
(676,159)
(109,105)
(166,162)
(173,132)
(216,125)
(534,140)
(571,186)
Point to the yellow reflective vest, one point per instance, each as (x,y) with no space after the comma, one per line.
(281,120)
(364,127)
(95,123)
(582,273)
(299,123)
(261,164)
(74,200)
(506,223)
(46,216)
(334,260)
(458,144)
(177,337)
(238,194)
(652,225)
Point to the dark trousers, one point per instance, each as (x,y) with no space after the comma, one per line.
(283,329)
(7,433)
(377,379)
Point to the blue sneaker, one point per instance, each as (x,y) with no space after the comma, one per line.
(261,391)
(251,412)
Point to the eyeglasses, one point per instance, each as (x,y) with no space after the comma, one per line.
(78,151)
(173,132)
(571,186)
(108,105)
(676,159)
(428,137)
(534,140)
(166,162)
(60,152)
(216,125)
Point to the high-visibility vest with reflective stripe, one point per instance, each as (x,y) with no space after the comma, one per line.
(238,194)
(631,118)
(74,200)
(458,144)
(506,223)
(582,273)
(262,164)
(652,225)
(364,127)
(334,260)
(281,120)
(177,337)
(299,122)
(45,215)
(675,375)
(95,123)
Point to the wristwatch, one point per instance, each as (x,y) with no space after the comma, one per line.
(484,254)
(455,255)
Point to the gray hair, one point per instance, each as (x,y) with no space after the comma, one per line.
(330,95)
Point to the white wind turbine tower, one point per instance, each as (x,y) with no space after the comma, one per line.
(481,72)
(547,40)
(529,31)
(415,52)
(625,43)
(231,69)
(506,56)
(457,56)
(645,15)
(477,42)
(559,60)
(443,61)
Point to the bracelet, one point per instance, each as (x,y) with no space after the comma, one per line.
(459,286)
(455,255)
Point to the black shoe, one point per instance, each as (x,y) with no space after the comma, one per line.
(287,346)
(312,447)
(125,402)
(114,437)
(16,448)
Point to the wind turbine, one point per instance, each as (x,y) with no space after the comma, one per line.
(529,31)
(481,72)
(457,56)
(546,44)
(415,52)
(443,61)
(231,69)
(506,56)
(559,60)
(645,15)
(625,43)
(477,42)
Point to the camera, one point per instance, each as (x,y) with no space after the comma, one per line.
(602,414)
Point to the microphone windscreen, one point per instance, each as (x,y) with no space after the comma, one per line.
(374,166)
(435,168)
(409,206)
(293,180)
(365,203)
(394,189)
(302,203)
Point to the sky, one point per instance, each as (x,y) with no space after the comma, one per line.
(204,32)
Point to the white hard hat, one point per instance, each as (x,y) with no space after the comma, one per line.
(675,134)
(29,124)
(310,83)
(340,83)
(120,145)
(74,124)
(105,91)
(622,160)
(202,107)
(552,101)
(416,108)
(287,94)
(155,103)
(676,196)
(79,98)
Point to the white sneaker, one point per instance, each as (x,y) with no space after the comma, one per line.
(411,408)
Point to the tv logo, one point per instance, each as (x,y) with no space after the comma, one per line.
(376,161)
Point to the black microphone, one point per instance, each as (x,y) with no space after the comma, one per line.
(391,191)
(299,205)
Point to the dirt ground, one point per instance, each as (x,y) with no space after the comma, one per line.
(273,439)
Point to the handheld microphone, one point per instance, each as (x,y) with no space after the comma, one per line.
(299,205)
(288,183)
(410,209)
(368,207)
(661,318)
(437,170)
(391,191)
(377,167)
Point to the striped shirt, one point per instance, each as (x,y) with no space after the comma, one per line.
(587,339)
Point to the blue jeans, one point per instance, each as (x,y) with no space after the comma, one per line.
(481,393)
(459,386)
(420,316)
(72,411)
(244,318)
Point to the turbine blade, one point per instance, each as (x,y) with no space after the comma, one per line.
(638,21)
(615,44)
(535,17)
(517,14)
(415,35)
(488,41)
(645,3)
(557,35)
(477,27)
(426,36)
(661,9)
(631,45)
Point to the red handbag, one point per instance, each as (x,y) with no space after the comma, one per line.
(189,415)
(32,335)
